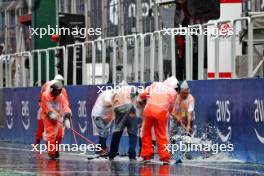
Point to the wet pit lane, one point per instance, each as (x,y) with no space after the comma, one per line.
(19,161)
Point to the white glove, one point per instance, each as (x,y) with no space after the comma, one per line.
(67,123)
(52,115)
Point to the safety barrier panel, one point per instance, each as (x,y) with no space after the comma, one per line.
(226,112)
(137,54)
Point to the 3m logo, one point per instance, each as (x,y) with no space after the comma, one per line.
(82,114)
(9,114)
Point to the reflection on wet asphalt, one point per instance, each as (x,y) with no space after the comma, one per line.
(25,162)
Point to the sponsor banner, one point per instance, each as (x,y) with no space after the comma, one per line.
(20,109)
(232,112)
(81,103)
(20,114)
(1,110)
(226,112)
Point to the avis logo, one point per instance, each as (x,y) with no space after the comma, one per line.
(82,113)
(259,117)
(25,115)
(9,114)
(223,115)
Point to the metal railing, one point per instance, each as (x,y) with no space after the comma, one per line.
(251,70)
(139,53)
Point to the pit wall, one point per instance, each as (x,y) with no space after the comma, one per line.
(226,112)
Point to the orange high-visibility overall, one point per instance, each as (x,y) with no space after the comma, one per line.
(159,105)
(40,124)
(54,128)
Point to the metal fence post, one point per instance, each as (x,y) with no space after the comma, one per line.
(191,56)
(10,72)
(56,49)
(201,54)
(142,58)
(39,67)
(65,65)
(31,70)
(74,64)
(93,61)
(114,61)
(7,68)
(84,71)
(124,58)
(23,70)
(217,54)
(173,55)
(103,60)
(136,59)
(233,50)
(47,65)
(250,48)
(187,57)
(160,56)
(152,57)
(17,63)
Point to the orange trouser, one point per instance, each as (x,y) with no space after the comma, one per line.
(40,126)
(53,167)
(160,125)
(54,133)
(39,131)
